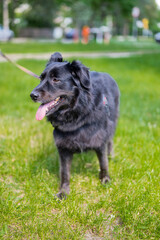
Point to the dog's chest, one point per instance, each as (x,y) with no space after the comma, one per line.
(80,140)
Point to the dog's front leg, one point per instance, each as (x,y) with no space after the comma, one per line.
(65,165)
(103,162)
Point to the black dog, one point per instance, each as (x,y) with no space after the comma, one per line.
(83,108)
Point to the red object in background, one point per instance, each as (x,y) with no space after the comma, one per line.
(85,34)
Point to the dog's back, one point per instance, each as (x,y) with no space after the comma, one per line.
(103,85)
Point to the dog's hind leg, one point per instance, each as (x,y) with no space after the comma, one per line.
(65,165)
(103,161)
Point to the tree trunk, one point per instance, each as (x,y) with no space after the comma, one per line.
(5,14)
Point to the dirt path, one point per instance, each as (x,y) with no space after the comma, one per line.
(45,56)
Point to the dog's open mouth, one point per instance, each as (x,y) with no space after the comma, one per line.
(44,109)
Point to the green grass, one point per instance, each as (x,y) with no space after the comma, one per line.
(127,208)
(38,46)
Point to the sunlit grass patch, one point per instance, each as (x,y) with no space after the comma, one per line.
(113,46)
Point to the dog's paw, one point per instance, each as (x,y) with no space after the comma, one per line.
(105,180)
(61,195)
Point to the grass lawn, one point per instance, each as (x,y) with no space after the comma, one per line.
(127,208)
(114,46)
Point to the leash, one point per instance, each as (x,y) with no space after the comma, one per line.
(19,66)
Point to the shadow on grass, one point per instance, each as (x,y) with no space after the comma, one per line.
(48,158)
(83,165)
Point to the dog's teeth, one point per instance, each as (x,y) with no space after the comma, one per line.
(52,104)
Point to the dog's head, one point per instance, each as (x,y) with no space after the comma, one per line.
(60,85)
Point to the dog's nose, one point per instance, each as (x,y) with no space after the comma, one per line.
(34,96)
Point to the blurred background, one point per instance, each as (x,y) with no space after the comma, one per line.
(80,20)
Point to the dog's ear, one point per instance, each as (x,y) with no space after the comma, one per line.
(81,72)
(55,57)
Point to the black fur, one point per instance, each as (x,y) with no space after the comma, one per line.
(87,117)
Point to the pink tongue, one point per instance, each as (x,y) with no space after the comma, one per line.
(41,112)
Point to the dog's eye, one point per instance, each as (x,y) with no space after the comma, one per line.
(55,80)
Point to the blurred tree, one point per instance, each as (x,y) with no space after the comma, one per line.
(149,10)
(41,13)
(121,11)
(1,7)
(122,18)
(78,10)
(12,6)
(96,11)
(84,12)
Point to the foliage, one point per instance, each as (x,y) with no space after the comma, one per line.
(1,7)
(40,14)
(149,10)
(120,10)
(127,208)
(91,12)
